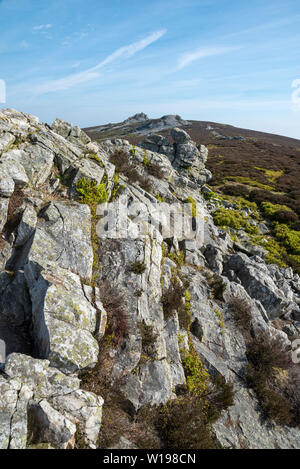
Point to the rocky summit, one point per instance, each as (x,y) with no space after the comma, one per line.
(121,333)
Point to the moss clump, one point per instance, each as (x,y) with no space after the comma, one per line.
(177,257)
(220,317)
(232,218)
(117,188)
(197,377)
(211,195)
(160,198)
(270,209)
(91,193)
(192,201)
(94,156)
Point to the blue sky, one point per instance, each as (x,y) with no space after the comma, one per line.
(96,61)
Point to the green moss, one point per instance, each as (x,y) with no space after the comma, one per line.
(192,201)
(94,156)
(221,320)
(146,162)
(90,193)
(232,218)
(250,182)
(211,195)
(270,209)
(177,257)
(197,377)
(117,187)
(160,198)
(289,238)
(251,229)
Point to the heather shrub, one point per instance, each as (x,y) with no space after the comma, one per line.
(117,317)
(155,170)
(172,299)
(124,165)
(268,373)
(242,313)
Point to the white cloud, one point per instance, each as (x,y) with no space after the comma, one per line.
(41,27)
(296,95)
(123,52)
(201,53)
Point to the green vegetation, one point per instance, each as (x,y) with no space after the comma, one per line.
(94,156)
(250,182)
(138,267)
(91,193)
(117,188)
(185,422)
(270,174)
(228,217)
(290,239)
(192,201)
(160,198)
(270,209)
(268,373)
(197,377)
(148,341)
(177,257)
(146,162)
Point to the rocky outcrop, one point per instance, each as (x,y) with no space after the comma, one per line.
(65,261)
(183,153)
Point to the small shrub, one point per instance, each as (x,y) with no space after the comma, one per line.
(155,170)
(124,165)
(182,424)
(285,216)
(172,299)
(236,190)
(148,340)
(217,286)
(266,357)
(138,267)
(270,209)
(177,257)
(289,238)
(117,188)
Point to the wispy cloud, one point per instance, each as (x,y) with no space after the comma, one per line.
(41,27)
(201,53)
(124,52)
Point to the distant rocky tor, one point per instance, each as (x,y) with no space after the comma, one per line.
(101,331)
(140,124)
